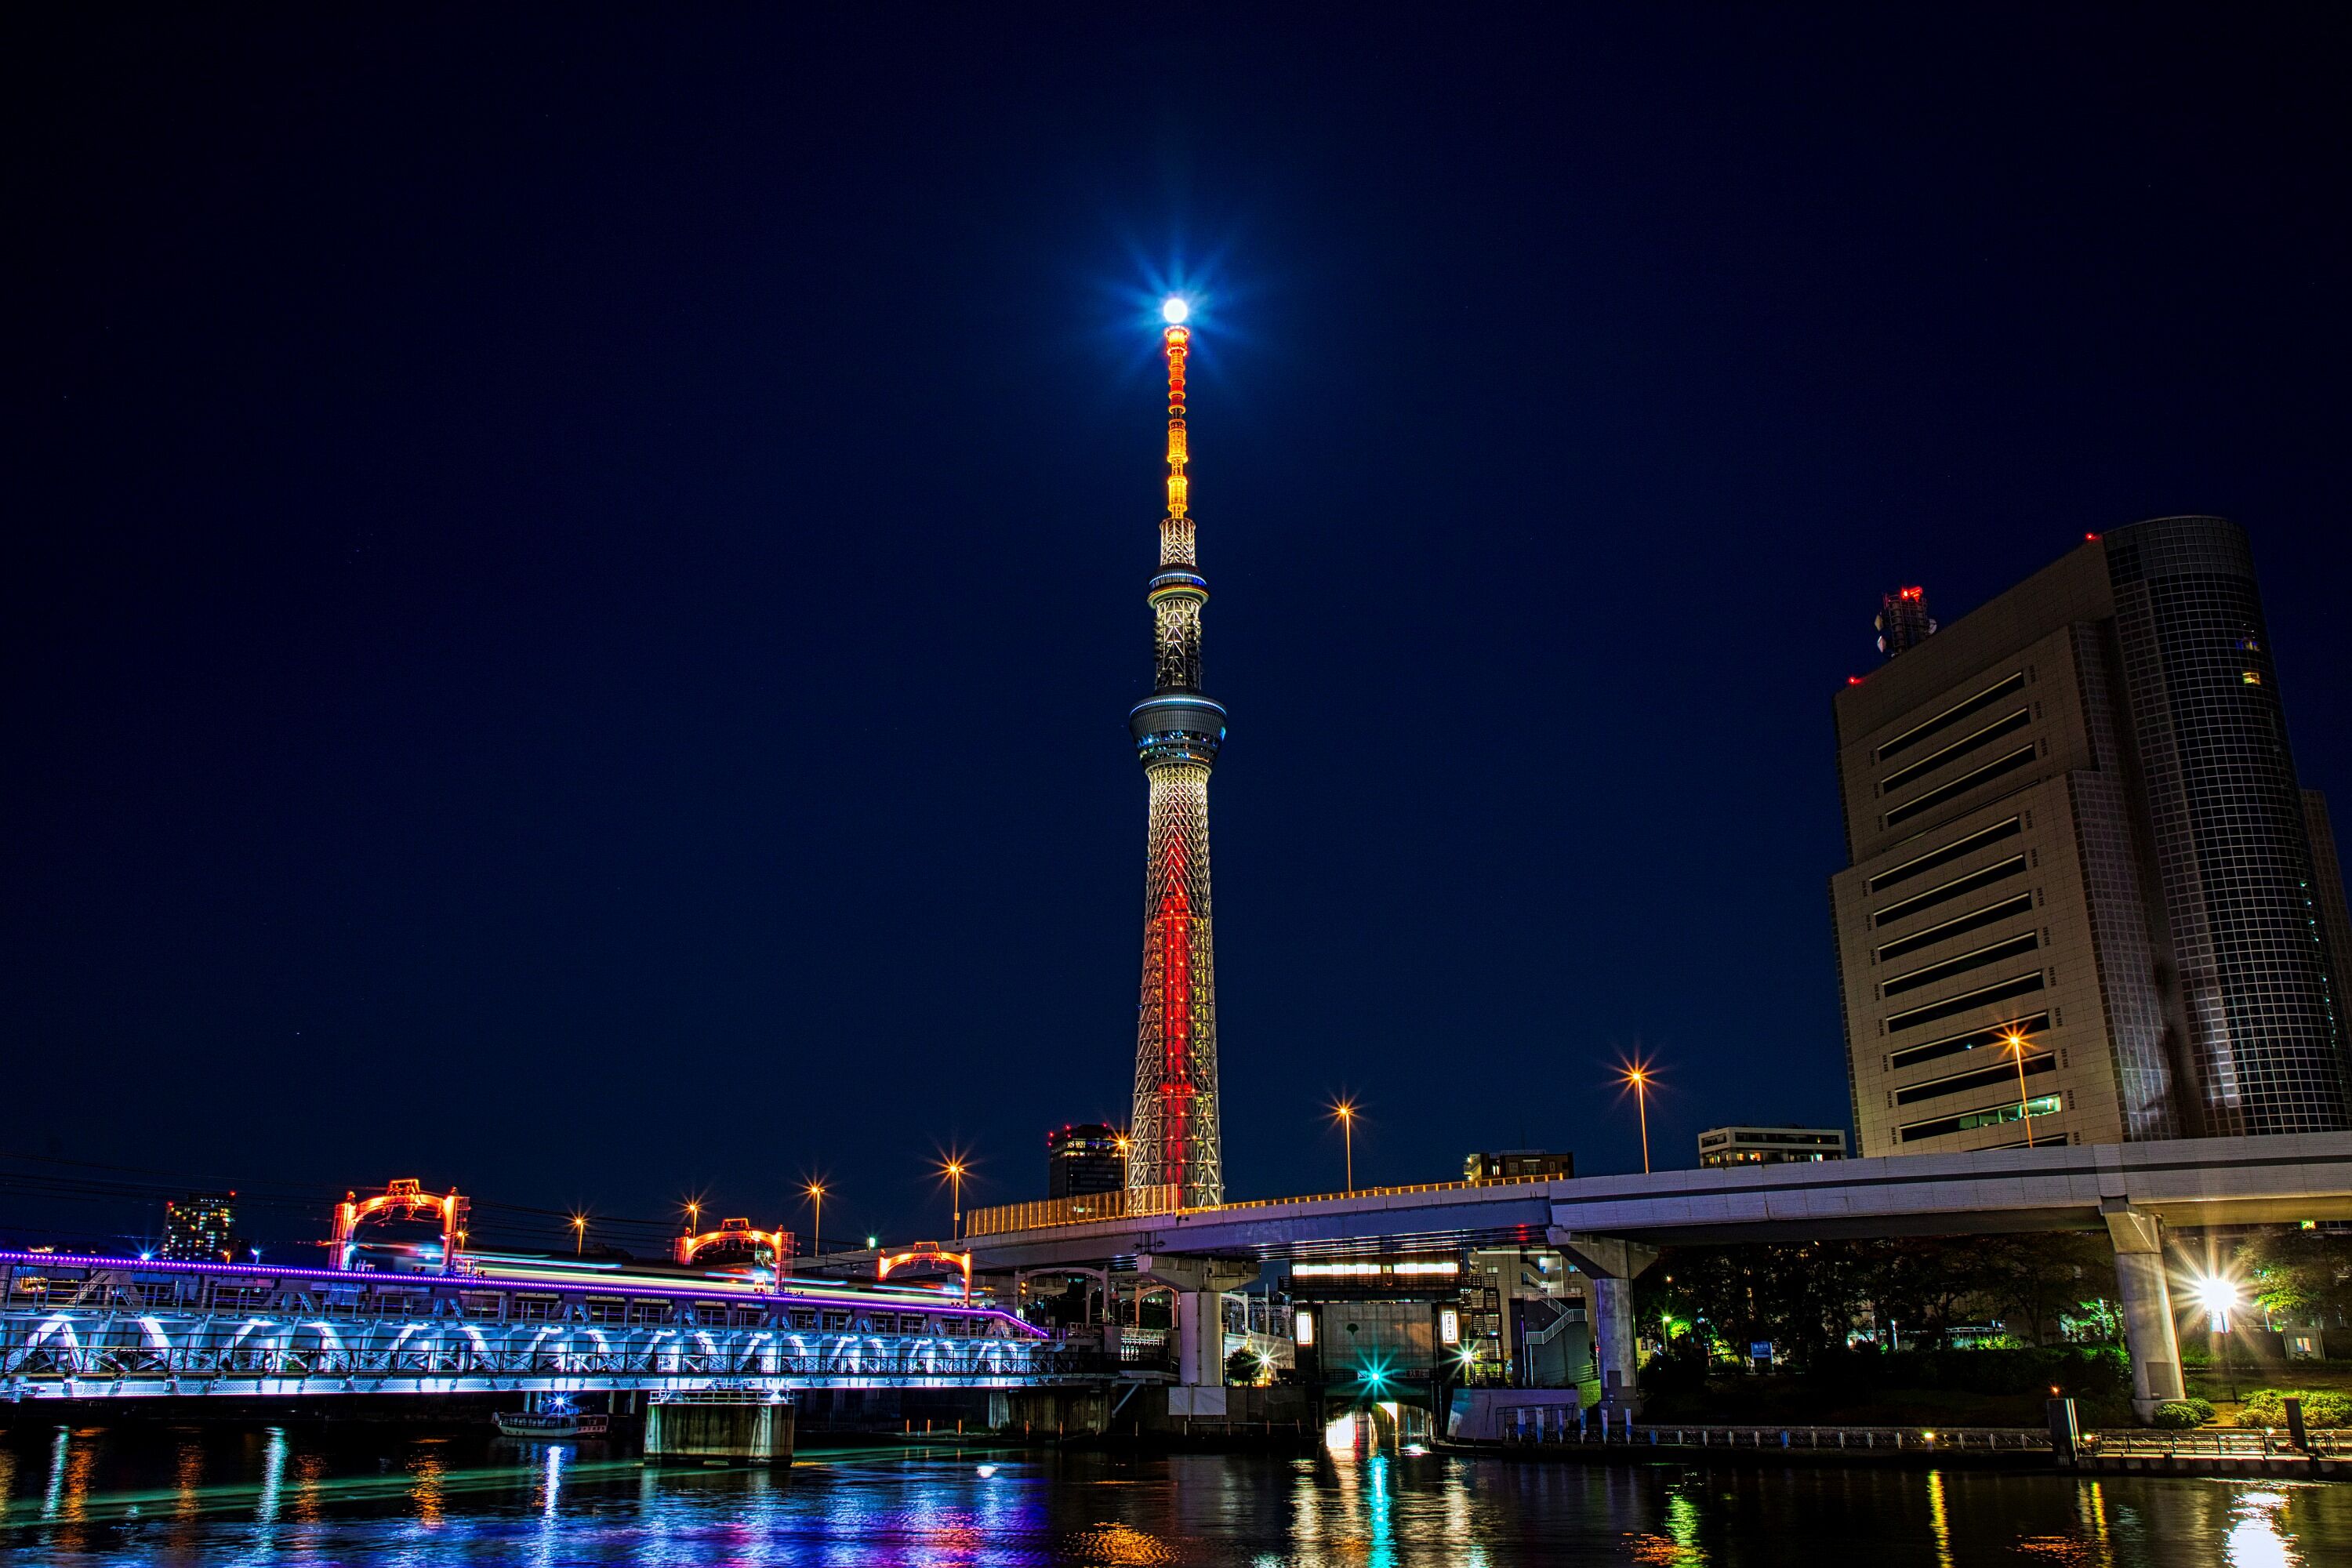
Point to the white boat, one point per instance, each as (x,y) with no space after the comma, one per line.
(549,1425)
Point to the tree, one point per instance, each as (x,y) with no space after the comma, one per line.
(2297,1273)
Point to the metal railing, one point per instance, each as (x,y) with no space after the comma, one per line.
(2214,1443)
(1539,1433)
(1008,1218)
(1082,1209)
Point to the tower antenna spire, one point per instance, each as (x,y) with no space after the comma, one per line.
(1177,1158)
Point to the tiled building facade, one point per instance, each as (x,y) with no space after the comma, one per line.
(2087,899)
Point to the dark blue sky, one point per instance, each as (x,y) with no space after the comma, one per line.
(572,586)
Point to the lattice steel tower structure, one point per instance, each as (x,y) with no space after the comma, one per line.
(1176,1150)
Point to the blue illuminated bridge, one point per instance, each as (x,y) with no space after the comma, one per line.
(78,1327)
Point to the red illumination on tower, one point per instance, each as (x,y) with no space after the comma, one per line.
(1176,1154)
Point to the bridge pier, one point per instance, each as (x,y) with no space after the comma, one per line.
(2148,1331)
(1200,1284)
(1612,1264)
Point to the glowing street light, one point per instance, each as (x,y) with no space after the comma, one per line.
(1346,1112)
(1173,310)
(1637,1078)
(815,1190)
(2219,1295)
(954,1171)
(579,1233)
(693,1216)
(2013,1041)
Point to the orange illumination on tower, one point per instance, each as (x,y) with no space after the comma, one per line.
(1177,1151)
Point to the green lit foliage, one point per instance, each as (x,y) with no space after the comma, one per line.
(2295,1273)
(2046,1288)
(2179,1414)
(2321,1407)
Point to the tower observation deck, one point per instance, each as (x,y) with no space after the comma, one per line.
(1176,1143)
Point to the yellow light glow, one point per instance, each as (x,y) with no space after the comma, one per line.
(2217,1294)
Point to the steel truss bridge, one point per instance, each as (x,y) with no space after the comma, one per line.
(89,1328)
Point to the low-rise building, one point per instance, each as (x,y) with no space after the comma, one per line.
(1770,1145)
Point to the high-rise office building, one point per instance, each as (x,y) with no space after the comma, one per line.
(1176,1152)
(200,1227)
(2088,900)
(1089,1157)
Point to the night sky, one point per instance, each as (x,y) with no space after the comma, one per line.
(572,586)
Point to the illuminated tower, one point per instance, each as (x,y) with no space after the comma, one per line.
(1177,731)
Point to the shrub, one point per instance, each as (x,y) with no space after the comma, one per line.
(2321,1407)
(2182,1414)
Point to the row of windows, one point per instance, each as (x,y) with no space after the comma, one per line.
(1953,715)
(1960,1083)
(1991,1116)
(1958,886)
(1956,751)
(1974,1039)
(1991,914)
(1935,858)
(2000,990)
(1994,954)
(1959,786)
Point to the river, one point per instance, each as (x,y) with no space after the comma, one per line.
(150,1495)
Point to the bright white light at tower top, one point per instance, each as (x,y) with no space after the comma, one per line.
(1173,309)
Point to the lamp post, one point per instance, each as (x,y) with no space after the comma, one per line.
(953,1171)
(815,1190)
(693,1216)
(1637,1078)
(1346,1111)
(2013,1042)
(579,1235)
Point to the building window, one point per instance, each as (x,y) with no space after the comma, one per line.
(1956,751)
(1960,786)
(1982,956)
(1952,715)
(1991,1116)
(1935,860)
(1982,1078)
(2023,985)
(1974,1039)
(1993,914)
(1958,888)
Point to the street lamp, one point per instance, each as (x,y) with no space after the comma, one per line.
(2013,1042)
(815,1190)
(1346,1111)
(954,1171)
(693,1216)
(2218,1295)
(1637,1078)
(579,1235)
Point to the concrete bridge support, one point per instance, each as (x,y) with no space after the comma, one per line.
(1612,1264)
(1200,1284)
(2149,1331)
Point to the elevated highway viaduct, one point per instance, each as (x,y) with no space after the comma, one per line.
(1611,1226)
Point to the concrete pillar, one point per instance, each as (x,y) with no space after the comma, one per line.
(1613,1342)
(1200,1338)
(2149,1331)
(1610,1265)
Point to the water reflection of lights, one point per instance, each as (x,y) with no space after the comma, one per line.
(273,1475)
(2256,1539)
(1339,1436)
(1939,1519)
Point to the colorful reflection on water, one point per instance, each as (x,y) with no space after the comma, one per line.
(325,1495)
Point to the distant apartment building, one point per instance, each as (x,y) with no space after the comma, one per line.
(1089,1157)
(2088,900)
(1504,1164)
(1770,1145)
(200,1227)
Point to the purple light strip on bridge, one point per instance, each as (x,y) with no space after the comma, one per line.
(605,1284)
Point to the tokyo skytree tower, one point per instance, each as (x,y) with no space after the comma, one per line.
(1175,1145)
